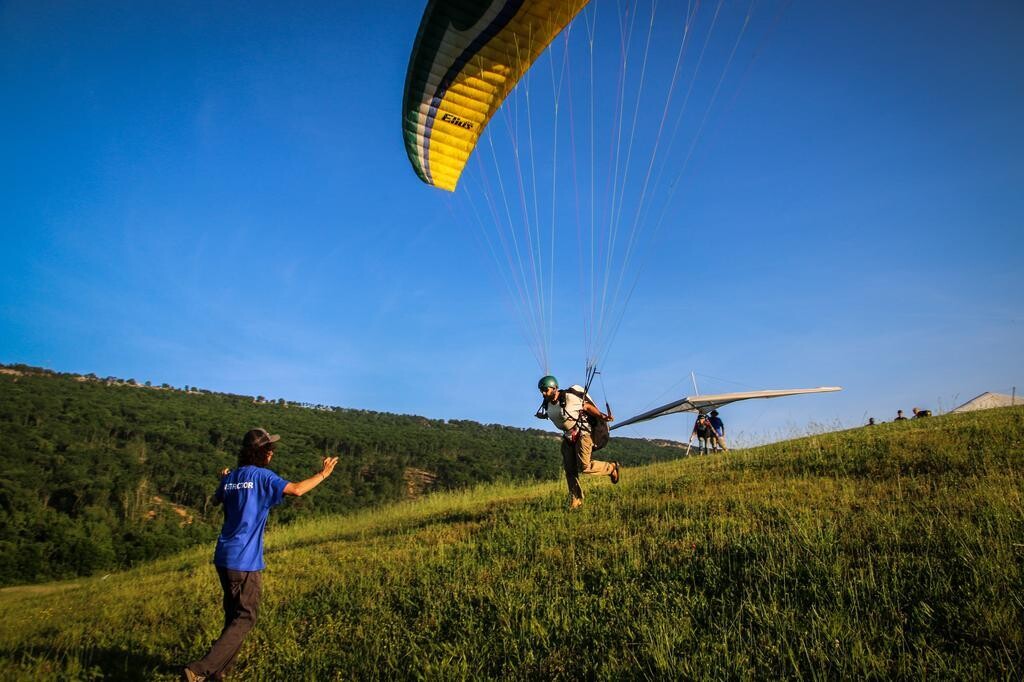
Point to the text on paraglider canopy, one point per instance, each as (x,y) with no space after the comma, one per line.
(456,121)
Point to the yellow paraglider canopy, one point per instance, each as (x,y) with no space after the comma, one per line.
(467,57)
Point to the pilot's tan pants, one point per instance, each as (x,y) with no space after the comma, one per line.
(576,460)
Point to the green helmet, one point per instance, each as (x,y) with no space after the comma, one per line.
(547,382)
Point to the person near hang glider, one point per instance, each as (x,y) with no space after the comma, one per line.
(704,432)
(572,411)
(719,431)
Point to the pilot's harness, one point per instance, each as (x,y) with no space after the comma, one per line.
(573,434)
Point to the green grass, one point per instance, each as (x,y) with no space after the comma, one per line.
(888,552)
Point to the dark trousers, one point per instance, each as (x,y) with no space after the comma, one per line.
(241,599)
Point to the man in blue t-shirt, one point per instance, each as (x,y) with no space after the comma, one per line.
(719,431)
(247,494)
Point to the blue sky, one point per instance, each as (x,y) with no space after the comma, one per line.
(219,196)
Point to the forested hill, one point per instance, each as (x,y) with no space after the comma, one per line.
(97,474)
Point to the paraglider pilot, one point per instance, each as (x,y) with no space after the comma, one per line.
(568,410)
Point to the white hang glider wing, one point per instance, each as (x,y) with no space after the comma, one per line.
(706,403)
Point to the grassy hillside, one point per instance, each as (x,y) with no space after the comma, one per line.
(888,552)
(101,474)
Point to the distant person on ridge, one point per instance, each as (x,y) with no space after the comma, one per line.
(566,410)
(899,416)
(920,414)
(719,430)
(871,421)
(247,494)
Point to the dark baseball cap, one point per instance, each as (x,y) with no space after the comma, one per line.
(259,438)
